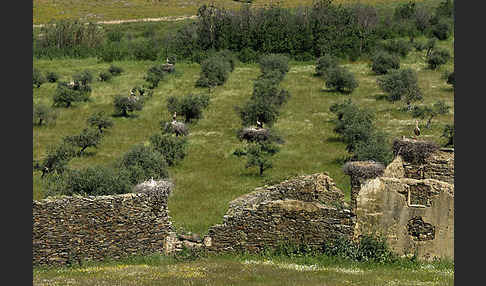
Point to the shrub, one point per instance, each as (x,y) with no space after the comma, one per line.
(397,46)
(37,78)
(66,94)
(142,163)
(96,181)
(248,55)
(56,159)
(268,90)
(448,133)
(405,10)
(368,248)
(273,62)
(325,63)
(258,155)
(190,106)
(99,120)
(352,123)
(401,84)
(52,76)
(451,79)
(214,72)
(442,30)
(173,148)
(43,114)
(376,148)
(89,137)
(382,62)
(438,108)
(84,77)
(437,58)
(115,70)
(154,75)
(125,104)
(229,57)
(341,79)
(258,109)
(419,45)
(104,76)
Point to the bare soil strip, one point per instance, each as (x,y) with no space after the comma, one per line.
(168,19)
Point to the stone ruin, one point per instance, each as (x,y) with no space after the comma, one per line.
(305,210)
(411,204)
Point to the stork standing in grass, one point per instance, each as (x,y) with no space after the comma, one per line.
(417,129)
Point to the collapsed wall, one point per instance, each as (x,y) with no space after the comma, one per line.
(305,210)
(411,204)
(71,229)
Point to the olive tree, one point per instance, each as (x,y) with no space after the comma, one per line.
(100,120)
(401,85)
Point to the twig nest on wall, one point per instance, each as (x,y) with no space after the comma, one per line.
(412,150)
(364,169)
(159,188)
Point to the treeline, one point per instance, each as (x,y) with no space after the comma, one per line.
(305,33)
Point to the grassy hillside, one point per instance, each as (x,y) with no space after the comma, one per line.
(95,10)
(210,176)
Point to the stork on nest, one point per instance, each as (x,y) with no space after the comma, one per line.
(416,130)
(174,116)
(259,124)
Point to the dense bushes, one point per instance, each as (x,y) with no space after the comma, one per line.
(437,57)
(215,69)
(37,78)
(325,63)
(173,148)
(125,104)
(382,62)
(190,106)
(68,93)
(341,79)
(401,84)
(43,114)
(142,163)
(357,130)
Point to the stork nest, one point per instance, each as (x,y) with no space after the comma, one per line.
(160,188)
(169,68)
(175,127)
(255,134)
(364,169)
(414,151)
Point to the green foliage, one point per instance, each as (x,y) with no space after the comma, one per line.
(56,159)
(397,46)
(100,120)
(66,94)
(448,133)
(274,62)
(267,89)
(438,108)
(43,114)
(258,109)
(115,70)
(445,9)
(95,181)
(154,75)
(451,79)
(401,84)
(382,62)
(190,106)
(376,148)
(442,30)
(258,155)
(325,63)
(214,71)
(125,104)
(352,123)
(142,163)
(341,79)
(52,76)
(405,10)
(173,148)
(37,78)
(83,78)
(438,57)
(104,76)
(368,248)
(248,55)
(89,137)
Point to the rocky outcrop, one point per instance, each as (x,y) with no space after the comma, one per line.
(411,204)
(305,210)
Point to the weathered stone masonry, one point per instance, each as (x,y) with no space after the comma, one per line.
(305,210)
(70,229)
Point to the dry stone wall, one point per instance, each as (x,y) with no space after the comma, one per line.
(305,210)
(72,229)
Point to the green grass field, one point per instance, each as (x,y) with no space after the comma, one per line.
(246,270)
(95,10)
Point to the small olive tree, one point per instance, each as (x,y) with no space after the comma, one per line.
(190,106)
(341,79)
(43,114)
(37,78)
(100,120)
(258,155)
(173,148)
(382,62)
(125,104)
(438,108)
(66,94)
(56,159)
(401,85)
(438,57)
(89,137)
(142,163)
